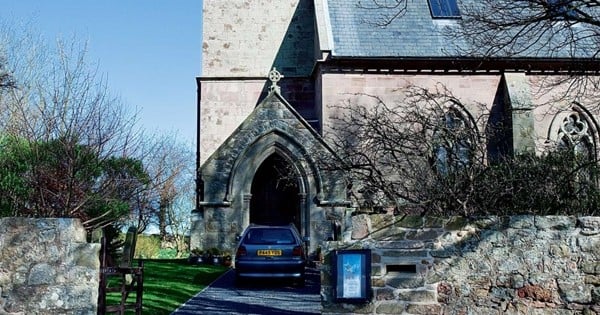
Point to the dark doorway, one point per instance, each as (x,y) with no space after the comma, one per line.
(275,199)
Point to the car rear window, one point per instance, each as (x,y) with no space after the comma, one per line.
(261,236)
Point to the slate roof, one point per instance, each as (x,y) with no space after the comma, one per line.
(353,33)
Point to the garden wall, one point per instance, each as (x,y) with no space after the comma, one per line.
(494,265)
(47,267)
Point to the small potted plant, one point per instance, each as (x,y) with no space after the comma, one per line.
(215,255)
(227,259)
(196,256)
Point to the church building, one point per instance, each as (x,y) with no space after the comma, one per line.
(274,72)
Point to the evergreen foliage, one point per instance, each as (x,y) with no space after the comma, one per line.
(61,178)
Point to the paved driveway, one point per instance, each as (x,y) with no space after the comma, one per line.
(257,297)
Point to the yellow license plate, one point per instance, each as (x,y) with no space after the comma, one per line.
(269,252)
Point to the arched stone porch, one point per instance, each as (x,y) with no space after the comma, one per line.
(237,176)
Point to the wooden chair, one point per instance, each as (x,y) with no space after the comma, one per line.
(123,278)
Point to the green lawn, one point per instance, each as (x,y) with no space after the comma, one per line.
(169,283)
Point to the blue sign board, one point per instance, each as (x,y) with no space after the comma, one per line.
(352,269)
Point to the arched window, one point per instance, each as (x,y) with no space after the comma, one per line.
(453,142)
(576,134)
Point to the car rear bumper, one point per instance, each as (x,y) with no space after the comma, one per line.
(274,269)
(270,275)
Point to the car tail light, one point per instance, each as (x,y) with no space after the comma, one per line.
(241,251)
(298,251)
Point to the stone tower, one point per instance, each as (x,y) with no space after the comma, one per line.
(252,125)
(242,41)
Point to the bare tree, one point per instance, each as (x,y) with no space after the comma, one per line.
(567,31)
(178,215)
(168,164)
(82,139)
(495,28)
(532,28)
(388,149)
(414,155)
(171,168)
(424,154)
(389,10)
(6,80)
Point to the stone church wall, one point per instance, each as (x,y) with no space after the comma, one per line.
(244,38)
(242,41)
(493,265)
(47,267)
(476,93)
(227,103)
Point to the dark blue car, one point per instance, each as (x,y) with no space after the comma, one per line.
(270,252)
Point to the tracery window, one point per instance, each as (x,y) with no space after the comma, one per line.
(575,134)
(453,143)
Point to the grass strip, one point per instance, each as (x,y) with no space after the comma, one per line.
(169,283)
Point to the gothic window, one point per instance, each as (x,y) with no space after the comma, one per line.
(444,8)
(452,143)
(575,134)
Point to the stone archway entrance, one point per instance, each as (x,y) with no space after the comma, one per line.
(275,194)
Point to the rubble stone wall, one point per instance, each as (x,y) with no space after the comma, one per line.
(47,267)
(492,265)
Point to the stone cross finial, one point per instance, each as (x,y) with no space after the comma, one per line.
(274,77)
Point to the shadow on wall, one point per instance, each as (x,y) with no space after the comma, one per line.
(296,54)
(499,126)
(295,61)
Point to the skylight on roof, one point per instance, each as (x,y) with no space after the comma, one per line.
(444,9)
(561,9)
(592,3)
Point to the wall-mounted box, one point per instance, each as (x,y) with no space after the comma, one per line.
(352,271)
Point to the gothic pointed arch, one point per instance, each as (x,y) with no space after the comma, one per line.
(575,129)
(239,177)
(274,142)
(275,158)
(454,138)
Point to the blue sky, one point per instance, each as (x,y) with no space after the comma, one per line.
(149,50)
